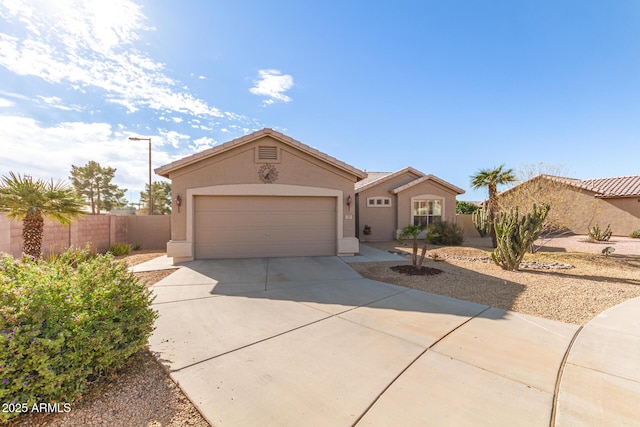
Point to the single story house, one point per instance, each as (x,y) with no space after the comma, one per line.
(578,204)
(268,195)
(386,202)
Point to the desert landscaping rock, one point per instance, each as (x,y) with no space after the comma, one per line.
(536,265)
(571,295)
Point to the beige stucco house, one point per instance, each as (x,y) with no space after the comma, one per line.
(261,195)
(578,204)
(389,201)
(268,195)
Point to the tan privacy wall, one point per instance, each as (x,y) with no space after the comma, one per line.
(466,222)
(99,231)
(149,231)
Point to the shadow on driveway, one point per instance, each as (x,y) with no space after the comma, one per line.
(308,341)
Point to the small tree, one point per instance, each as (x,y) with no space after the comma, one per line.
(161,194)
(514,235)
(463,207)
(413,231)
(31,201)
(491,178)
(93,182)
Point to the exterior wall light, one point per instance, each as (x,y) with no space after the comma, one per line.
(178,202)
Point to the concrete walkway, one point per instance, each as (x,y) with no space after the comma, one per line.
(308,341)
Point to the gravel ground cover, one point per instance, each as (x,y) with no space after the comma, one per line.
(574,295)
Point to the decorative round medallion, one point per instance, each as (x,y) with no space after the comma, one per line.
(268,173)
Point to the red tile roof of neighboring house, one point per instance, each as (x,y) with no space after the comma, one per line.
(621,186)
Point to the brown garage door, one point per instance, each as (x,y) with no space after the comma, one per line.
(264,226)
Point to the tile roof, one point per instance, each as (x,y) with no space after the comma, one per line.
(166,169)
(621,186)
(371,177)
(375,178)
(429,177)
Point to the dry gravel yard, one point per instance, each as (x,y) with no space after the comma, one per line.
(574,296)
(142,394)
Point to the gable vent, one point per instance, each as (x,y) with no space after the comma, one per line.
(267,153)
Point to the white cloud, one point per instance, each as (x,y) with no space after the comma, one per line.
(177,119)
(272,84)
(86,43)
(6,103)
(55,102)
(202,144)
(24,140)
(202,77)
(172,137)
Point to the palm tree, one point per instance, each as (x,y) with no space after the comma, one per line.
(491,178)
(31,201)
(412,231)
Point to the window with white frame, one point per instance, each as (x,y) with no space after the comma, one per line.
(379,202)
(426,212)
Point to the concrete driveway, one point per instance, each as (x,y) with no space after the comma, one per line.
(308,341)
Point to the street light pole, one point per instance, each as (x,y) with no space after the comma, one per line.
(135,138)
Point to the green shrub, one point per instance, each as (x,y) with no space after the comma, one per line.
(608,251)
(596,234)
(635,234)
(118,249)
(62,326)
(445,233)
(73,256)
(463,207)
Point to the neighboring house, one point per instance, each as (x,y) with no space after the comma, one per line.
(585,203)
(268,195)
(389,201)
(261,195)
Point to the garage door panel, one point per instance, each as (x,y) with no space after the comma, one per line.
(232,227)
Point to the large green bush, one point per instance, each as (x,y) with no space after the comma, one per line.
(65,322)
(445,233)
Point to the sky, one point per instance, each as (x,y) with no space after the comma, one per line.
(447,87)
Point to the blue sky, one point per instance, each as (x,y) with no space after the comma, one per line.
(448,87)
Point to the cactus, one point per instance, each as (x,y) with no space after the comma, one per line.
(598,235)
(481,221)
(515,234)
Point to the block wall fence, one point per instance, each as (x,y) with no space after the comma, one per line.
(100,231)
